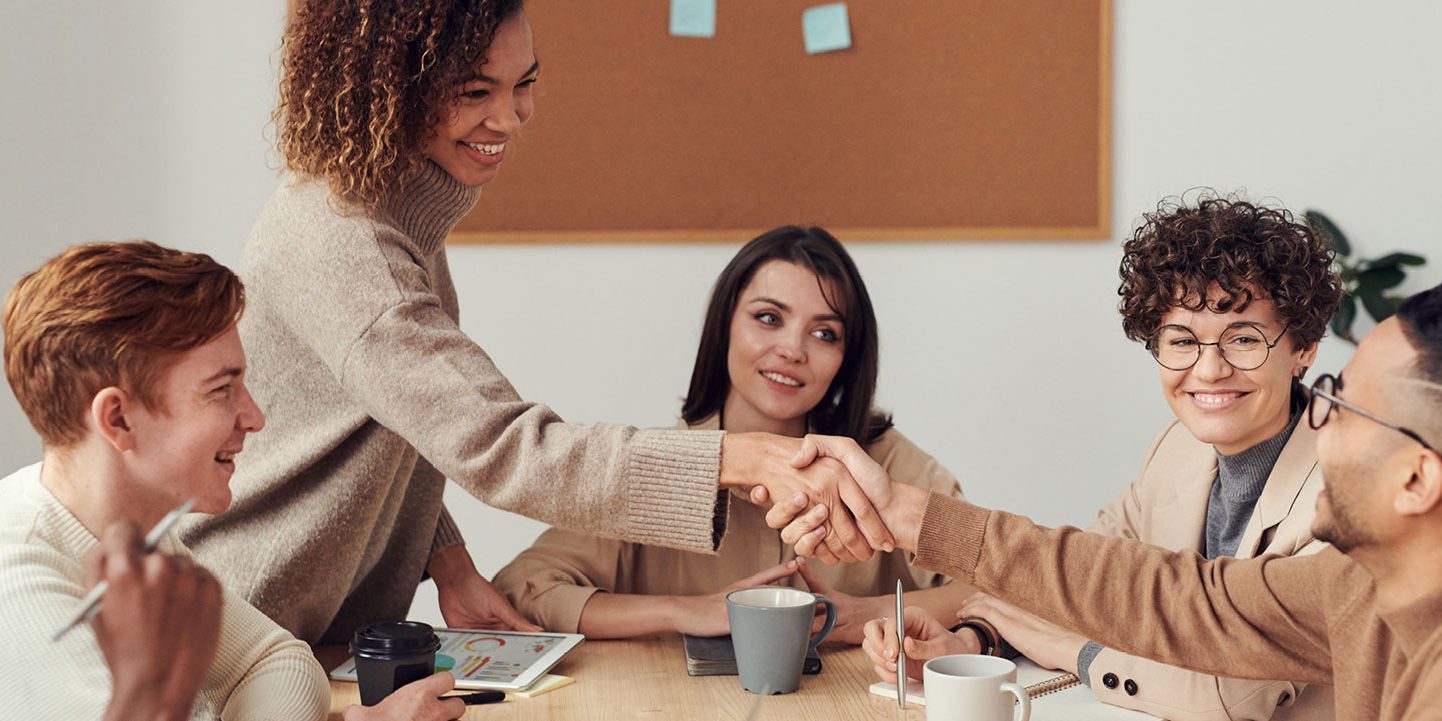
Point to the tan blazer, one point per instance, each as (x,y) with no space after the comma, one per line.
(1167,506)
(551,581)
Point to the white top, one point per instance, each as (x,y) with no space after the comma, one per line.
(260,672)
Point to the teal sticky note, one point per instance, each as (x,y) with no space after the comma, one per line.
(826,28)
(693,18)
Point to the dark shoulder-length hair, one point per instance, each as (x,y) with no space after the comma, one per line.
(846,409)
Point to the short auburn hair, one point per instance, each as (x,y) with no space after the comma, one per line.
(1248,250)
(109,314)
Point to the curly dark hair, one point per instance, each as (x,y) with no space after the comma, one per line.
(364,82)
(1248,250)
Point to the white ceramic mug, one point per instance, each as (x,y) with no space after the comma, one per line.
(968,687)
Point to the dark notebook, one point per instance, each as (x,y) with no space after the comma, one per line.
(716,657)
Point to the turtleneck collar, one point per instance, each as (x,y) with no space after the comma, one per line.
(429,205)
(1244,474)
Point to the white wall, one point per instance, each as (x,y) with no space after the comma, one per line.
(1004,360)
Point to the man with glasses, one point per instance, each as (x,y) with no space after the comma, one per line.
(1235,473)
(1364,617)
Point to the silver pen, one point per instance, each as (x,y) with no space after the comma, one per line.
(900,649)
(90,605)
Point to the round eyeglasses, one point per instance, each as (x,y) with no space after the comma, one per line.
(1242,345)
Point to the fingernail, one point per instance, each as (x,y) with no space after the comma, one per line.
(799,499)
(889,548)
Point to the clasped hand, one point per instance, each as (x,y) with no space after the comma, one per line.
(832,489)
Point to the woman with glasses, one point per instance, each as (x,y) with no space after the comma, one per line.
(1231,299)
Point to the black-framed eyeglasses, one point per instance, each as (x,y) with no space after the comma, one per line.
(1242,345)
(1324,399)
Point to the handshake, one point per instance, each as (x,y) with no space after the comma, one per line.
(830,500)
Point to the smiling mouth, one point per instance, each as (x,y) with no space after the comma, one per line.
(1217,400)
(486,148)
(783,380)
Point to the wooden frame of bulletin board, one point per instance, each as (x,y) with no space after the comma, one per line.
(955,120)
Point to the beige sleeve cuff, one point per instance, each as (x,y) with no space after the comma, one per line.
(447,533)
(559,609)
(672,497)
(951,536)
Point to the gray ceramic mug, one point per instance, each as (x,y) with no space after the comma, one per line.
(771,633)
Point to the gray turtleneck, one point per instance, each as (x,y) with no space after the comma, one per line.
(1239,483)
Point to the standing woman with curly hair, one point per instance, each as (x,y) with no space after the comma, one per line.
(1231,299)
(392,116)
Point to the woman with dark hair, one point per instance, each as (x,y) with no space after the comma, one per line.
(789,346)
(1231,299)
(392,117)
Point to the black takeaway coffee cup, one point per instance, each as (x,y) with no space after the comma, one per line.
(390,655)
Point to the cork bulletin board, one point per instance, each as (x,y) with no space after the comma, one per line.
(946,119)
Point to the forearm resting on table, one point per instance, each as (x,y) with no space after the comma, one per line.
(625,615)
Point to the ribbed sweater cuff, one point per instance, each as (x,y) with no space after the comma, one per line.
(447,533)
(951,536)
(671,477)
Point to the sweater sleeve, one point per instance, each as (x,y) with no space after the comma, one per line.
(420,376)
(447,533)
(906,463)
(551,582)
(1256,618)
(401,358)
(41,680)
(265,672)
(1182,695)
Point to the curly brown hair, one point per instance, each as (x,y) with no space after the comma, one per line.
(364,83)
(1247,250)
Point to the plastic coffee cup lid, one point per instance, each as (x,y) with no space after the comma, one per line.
(395,638)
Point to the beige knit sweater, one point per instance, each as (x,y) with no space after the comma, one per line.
(373,397)
(260,672)
(1310,618)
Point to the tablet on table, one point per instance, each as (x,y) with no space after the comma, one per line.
(502,660)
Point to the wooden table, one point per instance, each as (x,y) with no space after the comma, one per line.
(646,679)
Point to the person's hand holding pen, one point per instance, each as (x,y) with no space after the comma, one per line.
(926,638)
(158,628)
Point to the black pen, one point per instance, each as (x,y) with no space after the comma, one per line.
(479,697)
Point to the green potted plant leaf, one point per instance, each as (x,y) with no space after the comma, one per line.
(1364,281)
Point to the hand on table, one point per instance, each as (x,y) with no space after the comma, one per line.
(467,599)
(157,628)
(415,701)
(1045,643)
(707,616)
(926,638)
(763,464)
(852,612)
